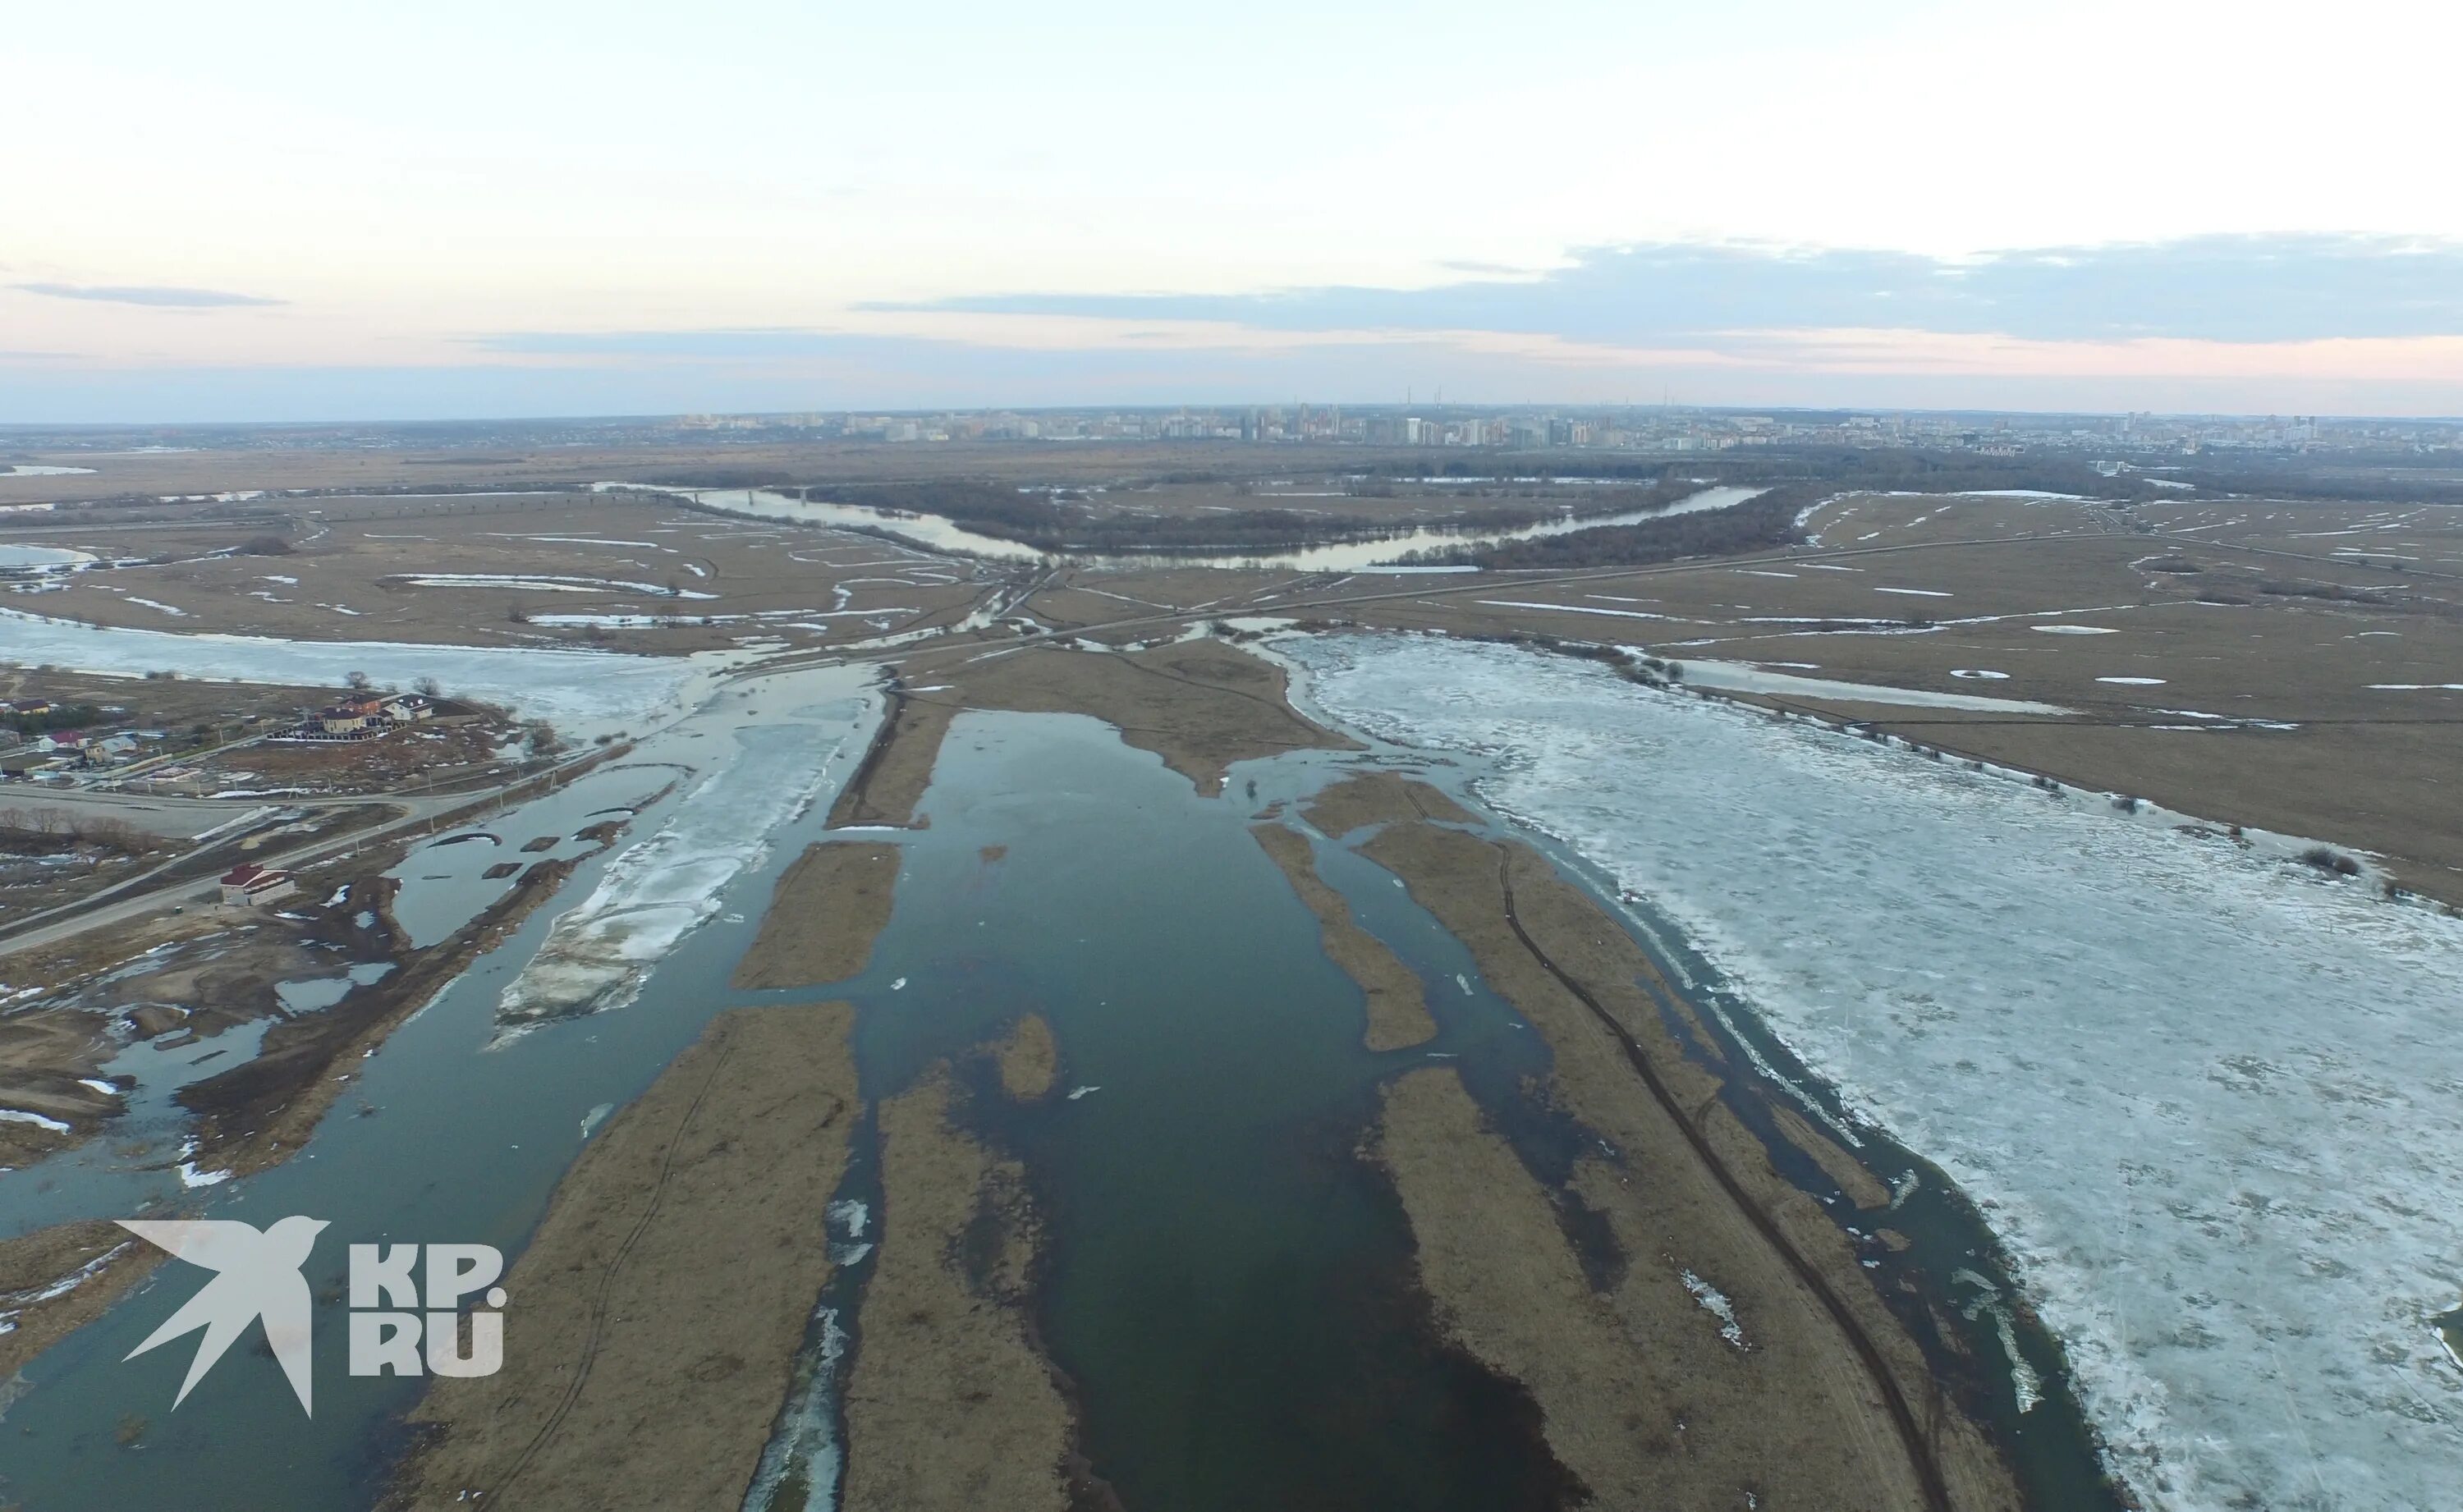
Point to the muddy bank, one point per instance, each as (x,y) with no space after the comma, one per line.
(57,1279)
(1397,1003)
(825,912)
(257,1113)
(1726,1338)
(950,1406)
(655,1316)
(52,1092)
(174,979)
(897,767)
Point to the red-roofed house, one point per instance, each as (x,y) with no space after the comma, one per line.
(249,883)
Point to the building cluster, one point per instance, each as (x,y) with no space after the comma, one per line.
(60,752)
(1661,429)
(249,884)
(365,716)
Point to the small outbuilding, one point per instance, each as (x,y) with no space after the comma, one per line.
(249,884)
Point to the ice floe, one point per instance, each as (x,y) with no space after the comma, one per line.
(758,776)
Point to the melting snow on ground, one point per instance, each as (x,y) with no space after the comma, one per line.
(1716,1303)
(2212,1105)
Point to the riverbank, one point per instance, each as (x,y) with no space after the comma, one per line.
(1397,1004)
(657,1311)
(56,1279)
(2100,1026)
(825,912)
(260,1112)
(1200,704)
(1726,1323)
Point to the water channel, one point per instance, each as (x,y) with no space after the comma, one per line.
(1226,1282)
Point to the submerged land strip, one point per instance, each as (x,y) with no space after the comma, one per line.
(662,1302)
(1397,1004)
(951,1404)
(1798,1382)
(826,910)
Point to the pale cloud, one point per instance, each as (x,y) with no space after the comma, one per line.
(1911,200)
(156,295)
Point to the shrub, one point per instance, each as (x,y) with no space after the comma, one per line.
(2331,861)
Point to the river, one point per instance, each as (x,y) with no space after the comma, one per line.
(1225,1276)
(1346,556)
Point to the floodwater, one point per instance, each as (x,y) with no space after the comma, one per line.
(42,556)
(948,535)
(1227,1282)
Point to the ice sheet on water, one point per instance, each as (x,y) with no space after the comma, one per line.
(2209,1103)
(652,895)
(582,692)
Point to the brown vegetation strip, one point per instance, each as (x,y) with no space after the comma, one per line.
(255,1115)
(1200,705)
(653,1320)
(897,765)
(1919,1448)
(1397,1003)
(950,1406)
(825,912)
(1029,1058)
(104,1259)
(1832,1403)
(1380,798)
(1863,1188)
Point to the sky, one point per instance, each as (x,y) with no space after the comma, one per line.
(272,209)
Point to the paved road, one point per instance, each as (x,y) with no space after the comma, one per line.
(133,898)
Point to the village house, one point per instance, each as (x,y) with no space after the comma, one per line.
(249,884)
(364,717)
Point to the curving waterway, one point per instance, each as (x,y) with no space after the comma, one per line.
(1226,1282)
(1343,556)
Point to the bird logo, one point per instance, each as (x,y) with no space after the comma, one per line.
(257,1276)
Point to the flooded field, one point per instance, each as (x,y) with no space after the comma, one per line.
(1225,1283)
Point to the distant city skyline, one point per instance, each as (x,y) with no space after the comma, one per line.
(280,211)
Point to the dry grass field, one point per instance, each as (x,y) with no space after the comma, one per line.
(525,570)
(2284,664)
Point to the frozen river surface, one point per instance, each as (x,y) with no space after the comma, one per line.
(582,693)
(2213,1105)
